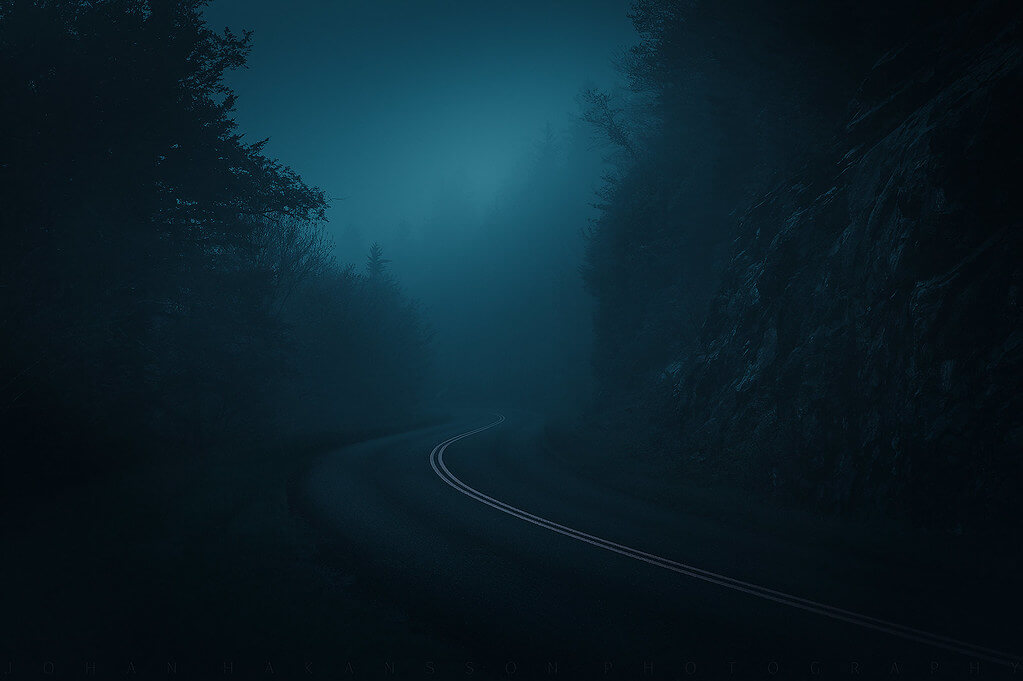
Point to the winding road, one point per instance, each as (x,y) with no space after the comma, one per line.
(523,557)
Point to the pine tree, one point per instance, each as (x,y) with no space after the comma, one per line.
(376,263)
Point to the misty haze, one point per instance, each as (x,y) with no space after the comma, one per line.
(511,340)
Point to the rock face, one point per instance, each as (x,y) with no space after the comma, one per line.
(865,347)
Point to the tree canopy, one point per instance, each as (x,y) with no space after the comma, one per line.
(156,262)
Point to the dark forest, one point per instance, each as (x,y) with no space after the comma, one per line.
(652,339)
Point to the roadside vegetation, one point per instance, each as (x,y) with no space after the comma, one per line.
(168,288)
(179,339)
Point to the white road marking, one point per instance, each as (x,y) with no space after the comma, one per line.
(936,640)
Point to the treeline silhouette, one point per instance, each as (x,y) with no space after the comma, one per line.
(722,100)
(781,299)
(164,284)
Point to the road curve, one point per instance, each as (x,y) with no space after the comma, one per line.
(893,628)
(508,585)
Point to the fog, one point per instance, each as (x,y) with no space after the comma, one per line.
(447,132)
(574,338)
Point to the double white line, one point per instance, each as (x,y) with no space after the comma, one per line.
(943,642)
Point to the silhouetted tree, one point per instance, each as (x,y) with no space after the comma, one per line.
(153,258)
(599,110)
(376,263)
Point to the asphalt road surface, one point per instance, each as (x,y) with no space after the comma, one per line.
(490,541)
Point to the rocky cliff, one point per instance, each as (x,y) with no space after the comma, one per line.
(864,350)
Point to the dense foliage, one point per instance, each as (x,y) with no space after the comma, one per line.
(162,280)
(736,262)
